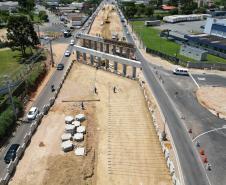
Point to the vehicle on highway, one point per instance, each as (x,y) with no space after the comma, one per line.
(11,153)
(67,33)
(67,53)
(60,66)
(127,33)
(72,42)
(180,71)
(33,112)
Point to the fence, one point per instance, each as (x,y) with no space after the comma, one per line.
(12,165)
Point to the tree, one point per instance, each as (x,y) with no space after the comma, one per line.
(140,9)
(21,33)
(27,5)
(130,9)
(189,7)
(43,16)
(149,11)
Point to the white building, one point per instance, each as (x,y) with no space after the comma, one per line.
(216,27)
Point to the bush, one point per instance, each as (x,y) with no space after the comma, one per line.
(7,118)
(34,76)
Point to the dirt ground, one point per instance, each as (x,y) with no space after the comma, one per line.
(121,142)
(104,29)
(213,98)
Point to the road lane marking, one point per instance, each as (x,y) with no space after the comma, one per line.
(209,131)
(194,80)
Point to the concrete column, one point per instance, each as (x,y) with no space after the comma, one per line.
(107,48)
(99,62)
(124,69)
(91,59)
(84,42)
(120,50)
(134,72)
(107,64)
(115,67)
(77,55)
(114,49)
(90,45)
(101,46)
(128,53)
(95,45)
(84,57)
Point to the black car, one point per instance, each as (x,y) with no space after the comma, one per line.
(11,153)
(60,66)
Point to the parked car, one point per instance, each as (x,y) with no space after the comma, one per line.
(31,115)
(60,66)
(11,153)
(67,53)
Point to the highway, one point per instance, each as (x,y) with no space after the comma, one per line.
(192,169)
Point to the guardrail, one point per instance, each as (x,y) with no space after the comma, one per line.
(165,150)
(12,165)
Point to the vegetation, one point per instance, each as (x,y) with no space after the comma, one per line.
(21,34)
(151,38)
(43,16)
(26,5)
(7,118)
(32,78)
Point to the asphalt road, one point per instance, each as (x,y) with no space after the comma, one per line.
(192,169)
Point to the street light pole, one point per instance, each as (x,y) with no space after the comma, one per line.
(10,96)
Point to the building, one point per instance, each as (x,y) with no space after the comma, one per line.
(183,18)
(78,6)
(76,19)
(216,27)
(194,53)
(52,2)
(9,5)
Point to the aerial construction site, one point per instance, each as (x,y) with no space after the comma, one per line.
(120,141)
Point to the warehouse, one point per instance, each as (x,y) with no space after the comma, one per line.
(183,18)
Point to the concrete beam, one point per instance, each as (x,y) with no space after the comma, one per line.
(108,56)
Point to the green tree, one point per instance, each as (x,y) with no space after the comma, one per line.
(149,11)
(43,16)
(21,33)
(140,9)
(27,5)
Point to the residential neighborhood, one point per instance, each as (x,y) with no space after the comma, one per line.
(105,92)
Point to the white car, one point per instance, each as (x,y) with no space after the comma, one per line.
(67,53)
(72,42)
(31,115)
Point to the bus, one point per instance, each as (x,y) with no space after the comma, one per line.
(181,71)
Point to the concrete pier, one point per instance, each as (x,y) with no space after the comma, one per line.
(134,72)
(124,69)
(115,67)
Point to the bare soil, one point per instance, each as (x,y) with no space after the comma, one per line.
(112,26)
(3,36)
(213,98)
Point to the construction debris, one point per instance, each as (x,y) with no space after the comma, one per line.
(66,137)
(68,119)
(81,129)
(80,117)
(80,151)
(78,137)
(67,146)
(70,128)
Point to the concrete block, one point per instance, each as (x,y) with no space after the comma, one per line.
(51,101)
(26,139)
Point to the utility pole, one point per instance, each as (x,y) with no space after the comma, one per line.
(10,96)
(51,52)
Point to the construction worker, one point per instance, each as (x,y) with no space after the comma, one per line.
(95,90)
(82,105)
(114,89)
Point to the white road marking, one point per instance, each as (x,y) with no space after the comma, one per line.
(204,133)
(201,78)
(194,80)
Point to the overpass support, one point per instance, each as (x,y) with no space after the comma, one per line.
(128,53)
(91,59)
(77,55)
(120,50)
(84,57)
(90,44)
(134,72)
(124,69)
(95,45)
(107,48)
(84,42)
(101,47)
(115,67)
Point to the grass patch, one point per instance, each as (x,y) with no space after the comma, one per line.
(9,62)
(152,39)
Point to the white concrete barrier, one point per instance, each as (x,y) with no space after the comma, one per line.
(2,182)
(26,139)
(10,167)
(52,100)
(6,178)
(19,152)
